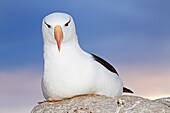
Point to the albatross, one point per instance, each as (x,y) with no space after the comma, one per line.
(70,71)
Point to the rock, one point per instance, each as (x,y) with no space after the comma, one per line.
(165,101)
(103,104)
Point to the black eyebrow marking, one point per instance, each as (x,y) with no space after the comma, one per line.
(68,22)
(47,25)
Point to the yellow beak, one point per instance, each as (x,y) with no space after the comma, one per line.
(58,34)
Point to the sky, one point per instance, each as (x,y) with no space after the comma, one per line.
(134,36)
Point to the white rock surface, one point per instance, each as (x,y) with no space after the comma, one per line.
(103,104)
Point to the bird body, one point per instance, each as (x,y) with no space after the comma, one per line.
(68,70)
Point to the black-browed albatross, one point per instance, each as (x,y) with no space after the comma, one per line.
(68,70)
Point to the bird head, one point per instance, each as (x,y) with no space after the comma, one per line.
(57,28)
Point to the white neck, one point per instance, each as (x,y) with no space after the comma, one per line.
(69,45)
(70,51)
(69,55)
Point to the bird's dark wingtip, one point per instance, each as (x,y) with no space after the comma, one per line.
(126,90)
(105,64)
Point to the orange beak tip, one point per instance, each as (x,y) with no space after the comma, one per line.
(59,44)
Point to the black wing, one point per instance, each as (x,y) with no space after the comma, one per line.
(126,90)
(105,64)
(110,68)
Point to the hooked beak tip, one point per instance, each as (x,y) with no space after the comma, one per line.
(59,45)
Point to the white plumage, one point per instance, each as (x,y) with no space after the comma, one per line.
(68,70)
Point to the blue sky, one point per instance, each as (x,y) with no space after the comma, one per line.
(132,35)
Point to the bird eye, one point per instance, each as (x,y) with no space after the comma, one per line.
(68,22)
(47,25)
